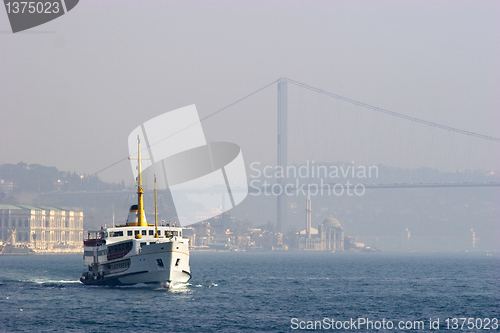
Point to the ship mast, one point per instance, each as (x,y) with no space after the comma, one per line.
(140,191)
(156,214)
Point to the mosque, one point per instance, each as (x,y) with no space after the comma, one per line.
(328,237)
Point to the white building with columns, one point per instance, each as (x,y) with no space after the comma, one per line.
(42,228)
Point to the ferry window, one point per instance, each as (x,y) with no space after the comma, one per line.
(144,232)
(151,232)
(177,262)
(129,233)
(180,233)
(137,232)
(159,262)
(175,233)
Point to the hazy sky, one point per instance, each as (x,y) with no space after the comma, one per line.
(73,89)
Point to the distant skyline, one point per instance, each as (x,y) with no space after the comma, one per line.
(72,89)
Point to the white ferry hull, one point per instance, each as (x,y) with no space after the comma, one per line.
(165,263)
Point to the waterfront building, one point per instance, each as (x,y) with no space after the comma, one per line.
(328,237)
(331,232)
(41,228)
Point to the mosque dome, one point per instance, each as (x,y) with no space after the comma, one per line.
(331,222)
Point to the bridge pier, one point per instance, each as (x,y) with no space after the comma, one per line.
(282,152)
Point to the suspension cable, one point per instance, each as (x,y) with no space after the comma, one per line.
(205,118)
(395,114)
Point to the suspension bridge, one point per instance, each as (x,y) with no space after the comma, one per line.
(283,131)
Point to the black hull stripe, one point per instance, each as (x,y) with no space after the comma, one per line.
(113,281)
(187,274)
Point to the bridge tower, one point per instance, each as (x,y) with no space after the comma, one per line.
(282,152)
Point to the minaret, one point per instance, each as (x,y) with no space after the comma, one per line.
(408,234)
(308,217)
(474,239)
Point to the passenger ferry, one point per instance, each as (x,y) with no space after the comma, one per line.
(136,252)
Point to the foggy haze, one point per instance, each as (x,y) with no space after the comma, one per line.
(392,154)
(73,89)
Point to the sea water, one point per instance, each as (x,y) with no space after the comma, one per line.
(262,292)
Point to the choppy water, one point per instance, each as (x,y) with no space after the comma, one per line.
(243,292)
